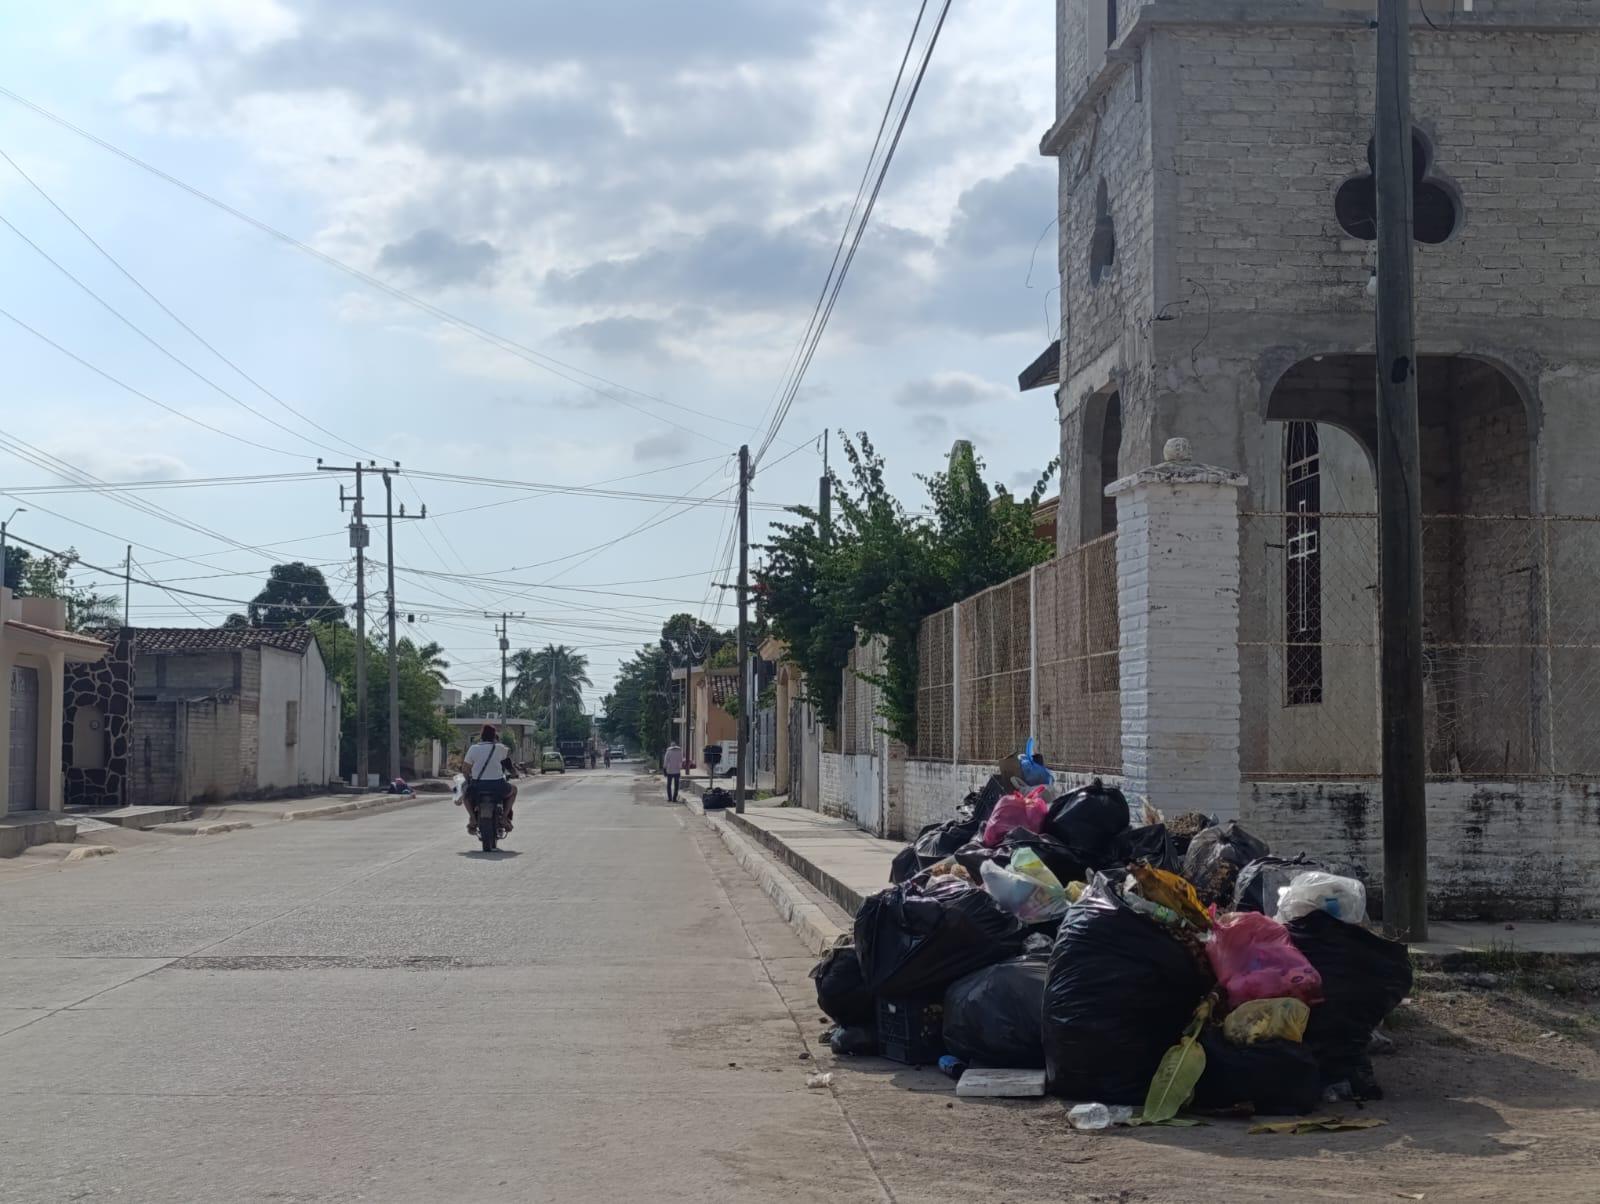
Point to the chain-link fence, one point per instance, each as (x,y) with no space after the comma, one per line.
(1511,646)
(1080,690)
(1036,655)
(935,687)
(858,711)
(994,658)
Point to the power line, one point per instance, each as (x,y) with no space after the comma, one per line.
(147,337)
(538,359)
(195,334)
(820,326)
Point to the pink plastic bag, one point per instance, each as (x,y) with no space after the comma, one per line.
(1253,958)
(1016,811)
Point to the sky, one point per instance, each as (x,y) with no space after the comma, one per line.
(645,198)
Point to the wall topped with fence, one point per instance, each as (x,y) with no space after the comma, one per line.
(1511,636)
(1034,656)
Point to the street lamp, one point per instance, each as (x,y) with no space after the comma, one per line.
(3,526)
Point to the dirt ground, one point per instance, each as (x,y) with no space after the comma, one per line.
(1492,1093)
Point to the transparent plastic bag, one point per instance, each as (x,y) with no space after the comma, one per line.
(1342,898)
(1253,958)
(1267,1020)
(1026,888)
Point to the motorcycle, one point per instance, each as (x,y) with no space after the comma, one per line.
(491,820)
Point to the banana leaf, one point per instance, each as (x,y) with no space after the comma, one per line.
(1318,1124)
(1179,1073)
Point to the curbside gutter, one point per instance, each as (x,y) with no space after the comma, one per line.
(815,921)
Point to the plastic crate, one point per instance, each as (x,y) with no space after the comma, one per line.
(911,1031)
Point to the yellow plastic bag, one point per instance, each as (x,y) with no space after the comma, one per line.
(1171,891)
(1266,1020)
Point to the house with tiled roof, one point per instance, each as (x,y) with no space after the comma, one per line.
(231,712)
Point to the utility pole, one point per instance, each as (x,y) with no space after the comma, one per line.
(1405,819)
(127,589)
(825,497)
(743,724)
(5,565)
(394,664)
(504,632)
(359,538)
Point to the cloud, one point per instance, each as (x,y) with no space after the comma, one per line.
(949,391)
(158,37)
(435,258)
(372,66)
(668,445)
(110,466)
(625,335)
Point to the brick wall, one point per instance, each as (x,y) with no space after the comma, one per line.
(1272,120)
(1497,850)
(830,788)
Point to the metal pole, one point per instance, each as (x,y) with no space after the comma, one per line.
(743,723)
(358,536)
(394,669)
(1405,833)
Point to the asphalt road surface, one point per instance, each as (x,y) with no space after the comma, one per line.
(610,1010)
(374,1009)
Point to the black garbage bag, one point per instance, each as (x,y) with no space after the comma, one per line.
(1151,845)
(841,990)
(982,802)
(1215,858)
(1119,993)
(912,943)
(1364,978)
(1063,862)
(855,1041)
(1276,1078)
(1089,820)
(991,1017)
(1256,888)
(906,865)
(716,799)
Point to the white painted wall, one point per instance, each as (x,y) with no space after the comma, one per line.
(313,758)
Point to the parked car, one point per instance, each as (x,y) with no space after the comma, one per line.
(552,761)
(619,754)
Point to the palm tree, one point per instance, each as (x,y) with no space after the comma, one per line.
(431,657)
(535,671)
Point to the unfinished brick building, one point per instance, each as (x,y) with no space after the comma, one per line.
(1216,245)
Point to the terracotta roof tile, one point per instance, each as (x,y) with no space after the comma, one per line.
(221,639)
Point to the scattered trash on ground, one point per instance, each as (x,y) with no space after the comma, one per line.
(1318,1124)
(1065,941)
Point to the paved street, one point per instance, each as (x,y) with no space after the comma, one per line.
(372,1009)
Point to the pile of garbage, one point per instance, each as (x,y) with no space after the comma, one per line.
(1174,966)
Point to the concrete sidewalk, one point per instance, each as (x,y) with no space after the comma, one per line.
(846,864)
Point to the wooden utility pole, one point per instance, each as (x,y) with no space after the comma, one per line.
(1405,819)
(743,724)
(359,538)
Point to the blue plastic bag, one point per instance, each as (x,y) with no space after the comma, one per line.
(1034,773)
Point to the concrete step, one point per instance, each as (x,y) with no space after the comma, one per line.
(137,817)
(20,830)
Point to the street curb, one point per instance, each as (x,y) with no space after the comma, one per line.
(85,851)
(810,920)
(365,804)
(202,829)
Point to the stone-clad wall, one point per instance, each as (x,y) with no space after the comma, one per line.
(108,685)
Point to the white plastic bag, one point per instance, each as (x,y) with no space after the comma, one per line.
(458,786)
(1342,898)
(1028,890)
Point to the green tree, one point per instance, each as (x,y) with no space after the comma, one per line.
(879,571)
(535,672)
(639,708)
(420,716)
(50,576)
(295,594)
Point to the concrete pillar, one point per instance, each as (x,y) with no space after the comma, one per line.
(1178,610)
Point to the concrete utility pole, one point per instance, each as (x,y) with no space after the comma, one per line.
(5,578)
(359,538)
(504,631)
(825,497)
(743,724)
(1405,818)
(127,589)
(394,663)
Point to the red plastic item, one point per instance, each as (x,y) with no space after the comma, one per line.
(1016,811)
(1253,958)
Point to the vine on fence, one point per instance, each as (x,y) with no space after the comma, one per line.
(876,570)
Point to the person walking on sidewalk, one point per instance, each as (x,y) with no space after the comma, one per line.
(672,766)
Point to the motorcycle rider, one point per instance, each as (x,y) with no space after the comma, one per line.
(484,766)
